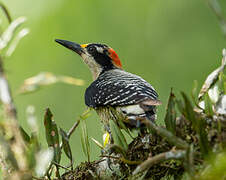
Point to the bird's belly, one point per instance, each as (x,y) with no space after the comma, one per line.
(128,114)
(132,109)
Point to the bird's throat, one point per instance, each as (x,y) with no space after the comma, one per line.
(93,66)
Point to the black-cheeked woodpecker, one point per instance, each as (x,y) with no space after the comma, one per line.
(114,89)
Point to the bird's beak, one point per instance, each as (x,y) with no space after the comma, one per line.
(71,45)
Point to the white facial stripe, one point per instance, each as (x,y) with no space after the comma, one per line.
(93,66)
(99,49)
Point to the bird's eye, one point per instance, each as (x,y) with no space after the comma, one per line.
(91,49)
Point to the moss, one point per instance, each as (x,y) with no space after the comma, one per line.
(83,171)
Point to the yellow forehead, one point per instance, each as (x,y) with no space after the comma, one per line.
(84,45)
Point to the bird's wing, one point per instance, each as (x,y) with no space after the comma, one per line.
(120,90)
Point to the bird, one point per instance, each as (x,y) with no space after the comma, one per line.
(114,92)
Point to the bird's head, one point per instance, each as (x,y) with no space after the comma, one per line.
(98,57)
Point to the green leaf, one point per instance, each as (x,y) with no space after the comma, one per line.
(188,111)
(31,152)
(25,136)
(194,93)
(180,106)
(52,135)
(85,139)
(97,143)
(66,145)
(203,137)
(198,124)
(170,118)
(189,160)
(118,137)
(194,89)
(208,105)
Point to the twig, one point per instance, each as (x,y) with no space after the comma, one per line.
(6,12)
(61,166)
(75,125)
(179,154)
(69,133)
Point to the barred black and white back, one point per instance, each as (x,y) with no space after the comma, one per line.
(129,94)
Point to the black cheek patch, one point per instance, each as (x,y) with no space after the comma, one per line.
(104,60)
(101,58)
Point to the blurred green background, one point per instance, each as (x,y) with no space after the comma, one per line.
(168,43)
